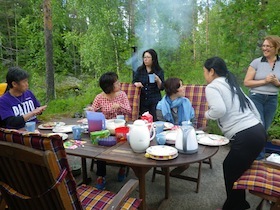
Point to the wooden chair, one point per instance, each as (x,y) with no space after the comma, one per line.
(35,174)
(3,88)
(263,180)
(133,95)
(196,94)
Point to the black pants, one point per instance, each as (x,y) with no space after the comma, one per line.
(101,168)
(245,147)
(144,107)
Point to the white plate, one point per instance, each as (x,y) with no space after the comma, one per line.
(63,135)
(212,140)
(170,136)
(163,157)
(63,129)
(199,132)
(83,121)
(162,150)
(168,125)
(51,127)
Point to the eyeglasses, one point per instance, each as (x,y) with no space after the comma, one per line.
(147,57)
(267,46)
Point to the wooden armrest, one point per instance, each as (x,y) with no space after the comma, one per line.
(2,204)
(271,164)
(275,142)
(264,196)
(124,192)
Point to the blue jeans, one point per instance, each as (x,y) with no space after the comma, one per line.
(266,105)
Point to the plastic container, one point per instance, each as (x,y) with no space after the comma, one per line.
(96,121)
(108,142)
(112,124)
(96,135)
(121,133)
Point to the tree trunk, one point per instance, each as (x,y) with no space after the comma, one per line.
(115,50)
(131,20)
(49,51)
(194,19)
(207,26)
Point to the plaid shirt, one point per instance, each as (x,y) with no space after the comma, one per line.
(103,104)
(150,93)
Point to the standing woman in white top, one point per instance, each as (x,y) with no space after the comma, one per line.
(239,121)
(262,78)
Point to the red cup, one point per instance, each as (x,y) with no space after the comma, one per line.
(121,132)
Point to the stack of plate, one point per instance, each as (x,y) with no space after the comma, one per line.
(161,152)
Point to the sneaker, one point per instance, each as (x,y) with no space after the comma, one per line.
(121,174)
(100,183)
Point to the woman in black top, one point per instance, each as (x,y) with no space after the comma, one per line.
(150,90)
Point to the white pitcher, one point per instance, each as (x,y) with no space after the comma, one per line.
(186,141)
(139,136)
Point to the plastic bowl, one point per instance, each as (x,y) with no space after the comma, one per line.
(121,133)
(112,124)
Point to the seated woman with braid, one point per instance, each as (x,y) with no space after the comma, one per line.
(174,107)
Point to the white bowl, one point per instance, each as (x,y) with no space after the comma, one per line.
(112,124)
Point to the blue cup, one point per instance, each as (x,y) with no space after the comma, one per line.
(159,125)
(161,139)
(77,132)
(30,126)
(121,116)
(152,78)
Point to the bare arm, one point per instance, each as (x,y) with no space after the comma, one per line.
(35,112)
(250,82)
(158,81)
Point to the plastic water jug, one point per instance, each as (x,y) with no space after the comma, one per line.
(139,136)
(96,121)
(186,141)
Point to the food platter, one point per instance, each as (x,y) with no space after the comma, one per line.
(50,125)
(63,129)
(162,150)
(83,121)
(212,140)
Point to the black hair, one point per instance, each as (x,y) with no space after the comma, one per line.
(155,65)
(171,85)
(220,67)
(15,74)
(107,80)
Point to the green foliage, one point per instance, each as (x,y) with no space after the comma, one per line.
(69,101)
(93,37)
